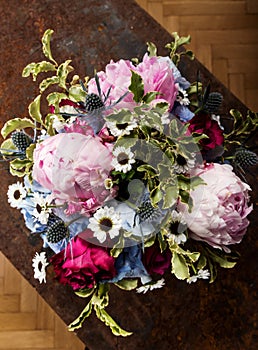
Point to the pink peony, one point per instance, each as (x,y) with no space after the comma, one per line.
(82,264)
(219,214)
(157,75)
(74,167)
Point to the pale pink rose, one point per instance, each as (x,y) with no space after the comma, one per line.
(74,167)
(157,76)
(219,214)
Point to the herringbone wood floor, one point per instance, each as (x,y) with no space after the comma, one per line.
(225,39)
(26,321)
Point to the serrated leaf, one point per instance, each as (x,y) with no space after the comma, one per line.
(63,70)
(121,117)
(127,142)
(127,284)
(100,297)
(46,45)
(34,110)
(136,87)
(109,321)
(7,146)
(47,82)
(17,173)
(77,323)
(179,266)
(19,164)
(16,123)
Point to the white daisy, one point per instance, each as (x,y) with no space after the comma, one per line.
(39,263)
(41,207)
(121,129)
(180,226)
(105,222)
(184,165)
(178,239)
(192,279)
(182,97)
(123,160)
(16,193)
(151,286)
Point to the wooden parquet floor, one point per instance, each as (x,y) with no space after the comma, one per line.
(224,38)
(26,321)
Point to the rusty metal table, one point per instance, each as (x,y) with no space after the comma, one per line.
(220,316)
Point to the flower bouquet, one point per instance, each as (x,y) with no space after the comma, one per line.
(128,174)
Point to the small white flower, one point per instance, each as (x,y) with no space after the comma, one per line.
(204,274)
(41,207)
(151,286)
(192,279)
(16,193)
(184,165)
(121,129)
(123,159)
(105,221)
(182,97)
(39,263)
(178,239)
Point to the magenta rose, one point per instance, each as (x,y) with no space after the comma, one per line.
(157,76)
(82,264)
(74,167)
(202,123)
(219,214)
(154,261)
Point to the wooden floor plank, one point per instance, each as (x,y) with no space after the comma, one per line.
(26,339)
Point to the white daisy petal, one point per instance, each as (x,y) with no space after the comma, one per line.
(123,159)
(39,263)
(16,193)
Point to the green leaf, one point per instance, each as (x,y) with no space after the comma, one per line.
(29,151)
(150,96)
(222,261)
(35,68)
(136,87)
(34,110)
(47,82)
(152,49)
(156,196)
(46,45)
(179,266)
(108,320)
(63,70)
(202,262)
(16,123)
(100,297)
(127,142)
(76,93)
(127,284)
(170,196)
(55,97)
(77,323)
(85,293)
(121,117)
(7,147)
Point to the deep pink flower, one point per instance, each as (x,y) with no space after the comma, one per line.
(219,214)
(74,167)
(154,261)
(203,124)
(82,264)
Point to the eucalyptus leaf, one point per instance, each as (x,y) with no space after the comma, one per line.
(16,123)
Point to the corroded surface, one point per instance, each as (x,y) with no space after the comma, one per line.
(219,316)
